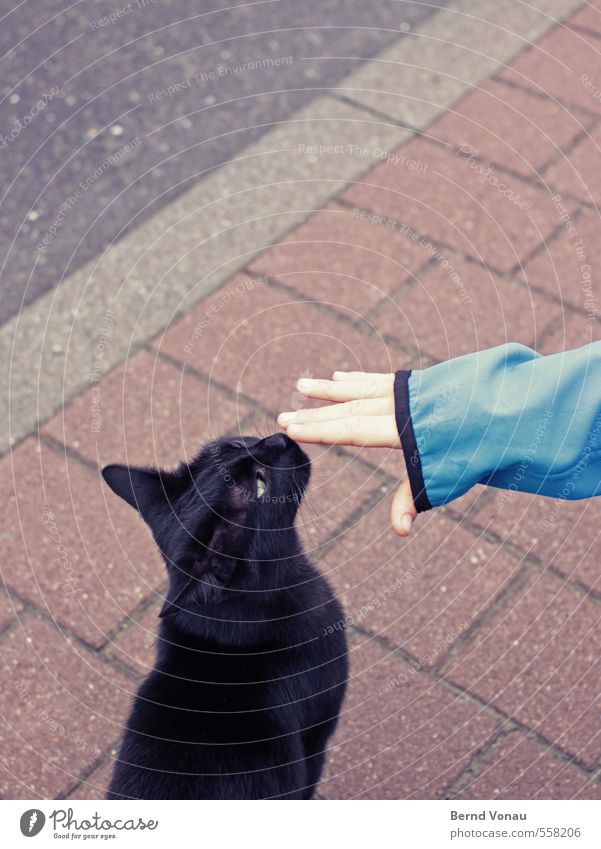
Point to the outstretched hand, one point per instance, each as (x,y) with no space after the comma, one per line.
(362,415)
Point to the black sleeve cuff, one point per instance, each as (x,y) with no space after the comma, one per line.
(404,425)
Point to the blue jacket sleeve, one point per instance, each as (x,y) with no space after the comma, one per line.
(507,417)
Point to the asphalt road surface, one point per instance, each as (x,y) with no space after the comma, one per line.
(108,110)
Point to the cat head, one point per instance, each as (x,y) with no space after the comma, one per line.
(224,523)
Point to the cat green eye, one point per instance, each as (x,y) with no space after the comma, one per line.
(261,485)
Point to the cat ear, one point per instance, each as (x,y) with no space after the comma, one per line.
(143,489)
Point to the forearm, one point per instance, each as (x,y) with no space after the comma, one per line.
(506,417)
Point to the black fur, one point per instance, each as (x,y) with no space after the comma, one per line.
(250,675)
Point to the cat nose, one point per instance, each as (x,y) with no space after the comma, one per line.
(278,441)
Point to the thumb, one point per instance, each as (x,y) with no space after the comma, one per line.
(403,512)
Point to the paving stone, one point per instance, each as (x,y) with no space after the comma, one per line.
(260,341)
(477,210)
(340,257)
(10,608)
(560,533)
(146,412)
(419,593)
(401,735)
(184,251)
(458,307)
(569,265)
(70,546)
(60,703)
(95,785)
(573,332)
(535,659)
(418,77)
(573,175)
(135,644)
(523,770)
(589,17)
(560,66)
(510,127)
(339,486)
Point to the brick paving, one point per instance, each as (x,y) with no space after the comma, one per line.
(475,645)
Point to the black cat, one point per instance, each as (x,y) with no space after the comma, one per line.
(250,674)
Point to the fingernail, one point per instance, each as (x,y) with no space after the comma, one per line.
(303,384)
(285,418)
(406,522)
(338,374)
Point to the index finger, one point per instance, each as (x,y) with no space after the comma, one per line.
(367,386)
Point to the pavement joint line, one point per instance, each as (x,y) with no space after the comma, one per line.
(255,406)
(332,310)
(513,271)
(498,603)
(408,284)
(571,108)
(127,621)
(532,88)
(62,380)
(382,116)
(205,380)
(320,553)
(67,451)
(384,479)
(425,358)
(426,134)
(402,289)
(554,327)
(320,198)
(539,180)
(472,698)
(30,607)
(521,554)
(584,30)
(357,324)
(65,630)
(482,757)
(102,759)
(487,758)
(493,27)
(12,624)
(512,275)
(517,552)
(51,442)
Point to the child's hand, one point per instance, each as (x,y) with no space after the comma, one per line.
(363,416)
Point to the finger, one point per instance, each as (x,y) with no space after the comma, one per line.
(347,390)
(374,431)
(402,511)
(358,375)
(364,407)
